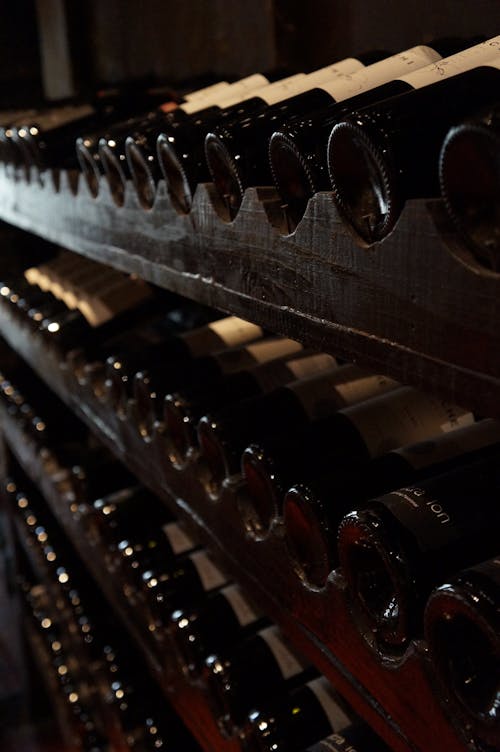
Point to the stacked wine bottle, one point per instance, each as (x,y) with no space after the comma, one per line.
(368,128)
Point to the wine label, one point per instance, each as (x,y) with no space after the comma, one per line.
(119,297)
(348,65)
(344,87)
(321,396)
(404,417)
(61,116)
(274,92)
(288,663)
(210,575)
(179,540)
(207,91)
(339,743)
(232,94)
(486,53)
(451,444)
(435,523)
(240,606)
(328,699)
(228,332)
(256,354)
(302,368)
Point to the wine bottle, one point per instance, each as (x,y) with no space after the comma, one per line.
(185,581)
(462,630)
(252,673)
(469,180)
(312,510)
(178,359)
(398,547)
(356,738)
(218,623)
(180,148)
(225,434)
(184,408)
(293,721)
(297,147)
(384,154)
(143,131)
(148,344)
(225,375)
(235,151)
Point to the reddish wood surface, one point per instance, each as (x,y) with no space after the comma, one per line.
(397,700)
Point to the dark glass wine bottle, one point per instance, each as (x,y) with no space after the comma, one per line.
(159,341)
(183,582)
(252,673)
(183,359)
(221,376)
(398,547)
(356,738)
(462,627)
(313,510)
(224,435)
(384,154)
(470,179)
(184,408)
(220,622)
(181,152)
(298,147)
(293,721)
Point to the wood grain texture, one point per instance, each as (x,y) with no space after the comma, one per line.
(396,698)
(416,307)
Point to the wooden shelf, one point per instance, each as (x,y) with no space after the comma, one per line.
(417,307)
(397,699)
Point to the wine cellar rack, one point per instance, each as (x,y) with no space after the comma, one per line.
(315,285)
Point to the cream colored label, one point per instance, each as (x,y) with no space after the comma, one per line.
(274,92)
(348,65)
(325,394)
(327,698)
(240,606)
(232,94)
(380,72)
(486,53)
(404,417)
(263,352)
(233,331)
(210,575)
(301,368)
(208,91)
(287,662)
(179,540)
(61,116)
(451,444)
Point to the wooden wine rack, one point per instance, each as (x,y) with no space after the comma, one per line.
(417,307)
(396,698)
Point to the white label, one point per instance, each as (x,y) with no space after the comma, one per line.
(240,606)
(234,331)
(274,92)
(327,698)
(380,72)
(349,65)
(179,540)
(288,663)
(404,417)
(263,352)
(451,444)
(208,91)
(487,53)
(324,394)
(302,368)
(232,94)
(210,575)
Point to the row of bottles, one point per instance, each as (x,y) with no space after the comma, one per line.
(407,520)
(266,694)
(368,128)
